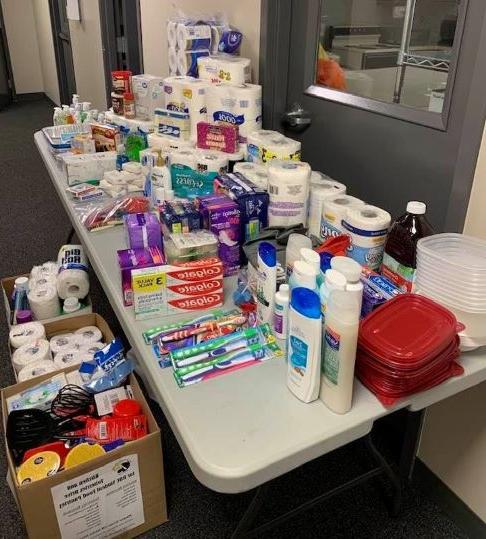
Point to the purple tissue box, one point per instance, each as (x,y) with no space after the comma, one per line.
(143,231)
(221,216)
(130,259)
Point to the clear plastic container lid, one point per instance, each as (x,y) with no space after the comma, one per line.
(407,330)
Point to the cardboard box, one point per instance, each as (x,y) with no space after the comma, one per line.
(83,484)
(7,290)
(149,95)
(107,138)
(88,167)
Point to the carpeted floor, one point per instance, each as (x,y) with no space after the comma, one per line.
(33,226)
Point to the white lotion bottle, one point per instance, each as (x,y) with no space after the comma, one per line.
(352,271)
(281,314)
(294,244)
(340,343)
(304,345)
(303,275)
(266,282)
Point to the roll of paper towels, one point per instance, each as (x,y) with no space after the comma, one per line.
(172,60)
(367,227)
(319,192)
(172,34)
(88,335)
(29,353)
(225,68)
(35,369)
(334,210)
(26,333)
(288,188)
(72,279)
(187,61)
(44,302)
(256,173)
(193,37)
(236,104)
(211,161)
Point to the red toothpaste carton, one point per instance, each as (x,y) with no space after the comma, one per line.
(175,291)
(201,270)
(195,303)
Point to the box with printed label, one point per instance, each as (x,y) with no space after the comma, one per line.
(149,95)
(195,303)
(198,271)
(198,288)
(88,167)
(120,493)
(149,292)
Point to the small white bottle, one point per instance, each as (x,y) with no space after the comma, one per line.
(281,314)
(292,253)
(340,342)
(266,282)
(303,275)
(352,271)
(304,345)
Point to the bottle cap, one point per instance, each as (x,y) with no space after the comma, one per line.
(268,253)
(335,280)
(71,304)
(23,316)
(325,261)
(304,275)
(306,302)
(284,290)
(347,267)
(417,208)
(311,257)
(127,407)
(21,283)
(344,306)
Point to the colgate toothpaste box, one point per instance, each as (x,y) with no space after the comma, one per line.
(221,216)
(192,272)
(196,288)
(188,304)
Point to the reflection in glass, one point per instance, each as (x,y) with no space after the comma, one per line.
(390,50)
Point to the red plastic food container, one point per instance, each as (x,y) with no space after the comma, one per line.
(407,331)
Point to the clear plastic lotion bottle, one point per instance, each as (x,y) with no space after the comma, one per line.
(339,357)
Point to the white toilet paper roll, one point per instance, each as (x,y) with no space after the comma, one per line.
(48,268)
(41,281)
(256,173)
(193,37)
(88,334)
(61,343)
(334,210)
(73,282)
(167,144)
(236,104)
(211,161)
(91,348)
(172,60)
(172,33)
(187,61)
(288,187)
(185,158)
(26,333)
(224,68)
(280,148)
(319,192)
(216,34)
(367,227)
(35,369)
(44,302)
(29,353)
(257,140)
(67,358)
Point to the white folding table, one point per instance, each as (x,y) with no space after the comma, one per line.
(242,430)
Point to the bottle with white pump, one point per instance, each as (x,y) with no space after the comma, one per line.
(340,343)
(304,345)
(352,272)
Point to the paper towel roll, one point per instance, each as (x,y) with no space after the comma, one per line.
(236,104)
(172,34)
(257,140)
(367,227)
(61,343)
(334,210)
(29,353)
(36,369)
(319,192)
(44,302)
(88,334)
(288,187)
(255,172)
(211,161)
(26,333)
(224,68)
(73,282)
(41,281)
(193,37)
(172,60)
(187,61)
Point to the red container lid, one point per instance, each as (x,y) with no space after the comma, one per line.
(127,408)
(407,330)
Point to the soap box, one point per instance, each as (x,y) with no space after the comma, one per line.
(143,231)
(149,95)
(251,199)
(131,259)
(221,216)
(217,137)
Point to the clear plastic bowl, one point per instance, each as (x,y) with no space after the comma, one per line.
(439,268)
(448,301)
(447,289)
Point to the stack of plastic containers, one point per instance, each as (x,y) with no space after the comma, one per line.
(451,269)
(407,345)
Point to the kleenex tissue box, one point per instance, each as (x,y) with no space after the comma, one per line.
(88,167)
(143,231)
(251,199)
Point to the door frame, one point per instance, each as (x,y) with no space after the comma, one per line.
(276,26)
(8,63)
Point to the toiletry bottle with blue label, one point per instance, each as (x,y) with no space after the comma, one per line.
(304,344)
(266,282)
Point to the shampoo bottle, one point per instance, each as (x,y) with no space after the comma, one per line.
(340,342)
(352,271)
(281,316)
(304,345)
(303,275)
(266,282)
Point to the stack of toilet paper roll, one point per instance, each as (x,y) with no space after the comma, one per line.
(43,298)
(187,94)
(236,104)
(264,145)
(73,279)
(187,42)
(26,333)
(321,189)
(30,356)
(224,68)
(288,189)
(255,172)
(130,179)
(74,348)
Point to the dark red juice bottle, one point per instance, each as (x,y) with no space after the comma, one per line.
(400,257)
